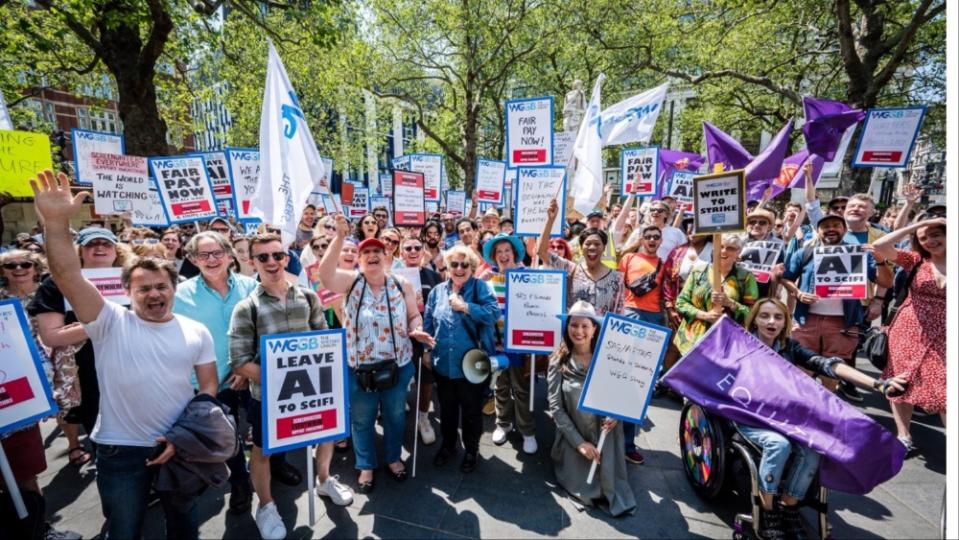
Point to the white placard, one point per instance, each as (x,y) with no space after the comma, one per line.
(120,183)
(490,181)
(563,142)
(432,207)
(720,202)
(184,188)
(639,168)
(217,170)
(401,163)
(360,205)
(536,187)
(456,202)
(386,185)
(243,164)
(628,356)
(108,282)
(533,299)
(680,188)
(759,257)
(888,136)
(840,271)
(305,392)
(529,132)
(25,395)
(85,143)
(408,207)
(431,165)
(323,184)
(153,215)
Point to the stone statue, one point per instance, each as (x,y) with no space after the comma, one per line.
(574,107)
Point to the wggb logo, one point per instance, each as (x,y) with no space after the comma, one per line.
(293,344)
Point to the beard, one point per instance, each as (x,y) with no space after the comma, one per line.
(432,243)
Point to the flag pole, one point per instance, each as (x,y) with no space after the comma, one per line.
(309,471)
(599,449)
(717,256)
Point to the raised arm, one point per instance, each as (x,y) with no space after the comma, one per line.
(885,247)
(56,206)
(336,279)
(911,192)
(813,208)
(620,224)
(474,205)
(542,248)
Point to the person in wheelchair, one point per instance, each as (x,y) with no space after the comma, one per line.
(770,322)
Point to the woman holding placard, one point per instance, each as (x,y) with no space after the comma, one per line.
(577,432)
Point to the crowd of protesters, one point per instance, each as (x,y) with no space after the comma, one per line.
(202,294)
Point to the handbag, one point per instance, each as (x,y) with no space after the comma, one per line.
(875,344)
(645,284)
(384,374)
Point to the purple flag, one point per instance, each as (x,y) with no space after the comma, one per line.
(732,374)
(676,160)
(766,167)
(826,121)
(722,148)
(791,175)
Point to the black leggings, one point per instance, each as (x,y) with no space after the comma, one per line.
(460,397)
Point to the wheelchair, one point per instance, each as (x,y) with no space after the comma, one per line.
(717,459)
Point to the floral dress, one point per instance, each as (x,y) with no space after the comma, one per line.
(697,295)
(917,338)
(371,338)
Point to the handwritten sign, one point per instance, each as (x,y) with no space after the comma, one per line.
(184,188)
(25,395)
(408,205)
(22,155)
(628,356)
(536,187)
(85,143)
(759,257)
(840,271)
(431,165)
(533,299)
(888,136)
(639,168)
(680,188)
(305,396)
(122,184)
(563,142)
(720,202)
(529,132)
(456,202)
(243,166)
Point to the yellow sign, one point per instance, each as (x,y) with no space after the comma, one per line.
(22,155)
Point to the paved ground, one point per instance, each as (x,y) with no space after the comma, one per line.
(513,495)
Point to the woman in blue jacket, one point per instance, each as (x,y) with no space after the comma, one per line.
(459,312)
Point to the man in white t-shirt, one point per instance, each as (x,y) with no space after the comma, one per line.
(657,214)
(145,356)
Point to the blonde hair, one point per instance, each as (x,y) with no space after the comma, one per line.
(787,327)
(38,260)
(461,251)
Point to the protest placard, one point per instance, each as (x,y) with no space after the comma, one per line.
(408,203)
(401,163)
(386,185)
(888,136)
(529,132)
(323,184)
(629,354)
(456,202)
(680,188)
(184,188)
(120,183)
(85,143)
(305,392)
(431,165)
(639,168)
(536,187)
(563,142)
(216,169)
(243,165)
(511,175)
(720,202)
(22,155)
(25,395)
(108,282)
(431,207)
(490,181)
(533,299)
(153,215)
(360,203)
(759,257)
(840,271)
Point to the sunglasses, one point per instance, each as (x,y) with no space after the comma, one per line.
(277,256)
(317,247)
(390,240)
(26,265)
(657,210)
(837,208)
(457,265)
(757,222)
(329,227)
(412,248)
(653,237)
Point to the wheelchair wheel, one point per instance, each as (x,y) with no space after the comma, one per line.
(702,448)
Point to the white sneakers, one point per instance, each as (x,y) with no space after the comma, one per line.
(269,523)
(337,492)
(427,435)
(529,444)
(500,433)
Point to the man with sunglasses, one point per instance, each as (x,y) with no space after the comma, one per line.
(275,307)
(430,236)
(759,225)
(382,216)
(657,215)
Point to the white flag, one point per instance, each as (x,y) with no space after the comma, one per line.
(290,164)
(5,122)
(587,186)
(633,119)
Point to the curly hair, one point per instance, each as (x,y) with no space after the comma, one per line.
(38,260)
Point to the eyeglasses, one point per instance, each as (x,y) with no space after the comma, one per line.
(318,247)
(657,210)
(329,227)
(204,255)
(412,248)
(98,243)
(277,256)
(26,265)
(384,216)
(653,237)
(757,222)
(390,240)
(456,265)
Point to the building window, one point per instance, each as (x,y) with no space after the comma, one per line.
(95,120)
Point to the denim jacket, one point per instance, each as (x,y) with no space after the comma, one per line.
(447,326)
(852,309)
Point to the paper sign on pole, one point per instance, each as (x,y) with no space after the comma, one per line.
(25,395)
(305,392)
(456,203)
(184,188)
(408,201)
(431,165)
(888,136)
(323,184)
(109,282)
(840,271)
(490,181)
(529,132)
(720,202)
(85,143)
(536,187)
(640,170)
(533,299)
(243,165)
(360,203)
(216,169)
(680,188)
(563,142)
(386,185)
(629,354)
(759,257)
(22,155)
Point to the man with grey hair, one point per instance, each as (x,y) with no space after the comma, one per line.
(209,298)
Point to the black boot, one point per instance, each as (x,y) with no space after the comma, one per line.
(771,524)
(792,522)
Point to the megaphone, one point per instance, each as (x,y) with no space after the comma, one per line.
(477,365)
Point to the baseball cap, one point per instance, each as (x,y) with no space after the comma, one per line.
(371,242)
(95,233)
(595,214)
(828,217)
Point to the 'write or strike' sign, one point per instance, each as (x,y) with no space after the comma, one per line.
(533,299)
(720,202)
(840,271)
(305,396)
(184,188)
(529,132)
